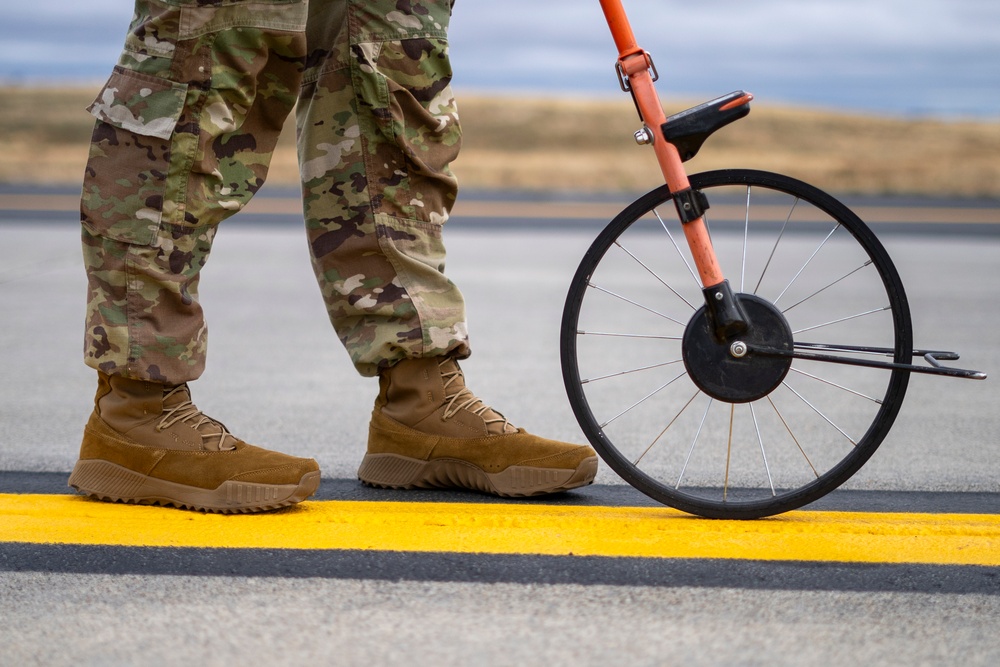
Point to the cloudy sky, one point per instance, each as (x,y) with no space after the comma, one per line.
(903,57)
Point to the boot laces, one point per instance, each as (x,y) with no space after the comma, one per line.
(186,411)
(464,399)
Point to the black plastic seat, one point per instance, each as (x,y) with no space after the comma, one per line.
(689,129)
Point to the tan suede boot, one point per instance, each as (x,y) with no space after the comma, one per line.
(147,443)
(429,430)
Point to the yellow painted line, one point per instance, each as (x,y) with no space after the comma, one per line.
(647,532)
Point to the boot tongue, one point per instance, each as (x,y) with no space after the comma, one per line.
(496,423)
(177,403)
(174,397)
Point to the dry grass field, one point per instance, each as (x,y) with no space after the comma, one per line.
(570,144)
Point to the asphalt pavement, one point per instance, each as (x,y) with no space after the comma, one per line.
(277,375)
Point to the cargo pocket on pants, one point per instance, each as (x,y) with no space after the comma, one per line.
(413,133)
(123,189)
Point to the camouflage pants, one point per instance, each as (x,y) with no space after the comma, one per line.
(185,129)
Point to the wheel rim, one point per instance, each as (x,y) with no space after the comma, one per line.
(715,445)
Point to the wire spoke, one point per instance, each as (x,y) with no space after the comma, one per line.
(729,451)
(792,435)
(777,241)
(808,261)
(644,399)
(820,413)
(632,370)
(843,319)
(844,277)
(654,274)
(680,254)
(760,441)
(634,303)
(694,441)
(582,332)
(876,401)
(666,428)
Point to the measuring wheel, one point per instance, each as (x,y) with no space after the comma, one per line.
(739,427)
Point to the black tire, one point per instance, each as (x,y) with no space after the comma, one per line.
(718,447)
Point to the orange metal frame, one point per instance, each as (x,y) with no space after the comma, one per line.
(636,64)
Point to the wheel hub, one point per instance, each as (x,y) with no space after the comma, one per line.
(729,370)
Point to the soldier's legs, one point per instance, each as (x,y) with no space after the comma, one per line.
(378,128)
(185,128)
(184,133)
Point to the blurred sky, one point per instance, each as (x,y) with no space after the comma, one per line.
(900,57)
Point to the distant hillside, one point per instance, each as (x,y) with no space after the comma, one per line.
(571,144)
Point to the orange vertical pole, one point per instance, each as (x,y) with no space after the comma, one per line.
(621,30)
(636,65)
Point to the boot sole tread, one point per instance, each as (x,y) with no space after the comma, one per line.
(109,481)
(394,471)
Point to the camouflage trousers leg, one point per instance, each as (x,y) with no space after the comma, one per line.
(185,128)
(377,130)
